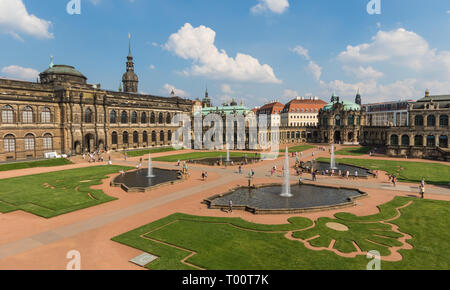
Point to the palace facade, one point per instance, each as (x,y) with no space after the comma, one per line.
(63,113)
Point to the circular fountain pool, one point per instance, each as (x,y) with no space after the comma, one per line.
(323,166)
(268,200)
(138,180)
(218,161)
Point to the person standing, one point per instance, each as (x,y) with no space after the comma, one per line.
(422,191)
(230,203)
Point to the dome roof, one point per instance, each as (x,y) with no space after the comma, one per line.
(348,106)
(64,70)
(130,76)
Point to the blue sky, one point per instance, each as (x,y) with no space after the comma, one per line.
(252,50)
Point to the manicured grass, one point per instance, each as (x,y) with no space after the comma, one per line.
(233,244)
(201,155)
(31,164)
(354,151)
(52,194)
(149,151)
(434,173)
(299,148)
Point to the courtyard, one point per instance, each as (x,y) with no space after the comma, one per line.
(73,207)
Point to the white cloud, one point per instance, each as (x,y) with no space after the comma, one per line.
(290,94)
(180,93)
(363,72)
(197,44)
(152,66)
(300,50)
(275,6)
(20,72)
(399,47)
(315,70)
(226,89)
(15,20)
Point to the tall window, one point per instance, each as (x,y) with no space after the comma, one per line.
(125,137)
(7,115)
(169,136)
(351,120)
(405,140)
(145,137)
(168,118)
(9,143)
(27,115)
(394,140)
(143,118)
(113,117)
(161,136)
(431,121)
(114,138)
(152,118)
(134,118)
(46,115)
(135,137)
(161,118)
(124,117)
(443,141)
(88,116)
(443,121)
(29,142)
(153,136)
(418,120)
(48,142)
(431,141)
(418,140)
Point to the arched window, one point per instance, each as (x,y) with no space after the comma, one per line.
(405,140)
(418,140)
(48,142)
(168,118)
(145,137)
(124,118)
(135,137)
(443,121)
(27,115)
(7,115)
(143,117)
(443,141)
(337,120)
(114,138)
(134,118)
(161,136)
(29,142)
(394,140)
(431,121)
(113,117)
(9,143)
(153,136)
(351,120)
(161,118)
(88,116)
(418,120)
(358,120)
(169,136)
(431,141)
(46,115)
(125,137)
(152,118)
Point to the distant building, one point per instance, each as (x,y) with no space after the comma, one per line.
(388,113)
(273,112)
(301,112)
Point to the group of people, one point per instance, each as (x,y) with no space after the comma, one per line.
(93,157)
(204,175)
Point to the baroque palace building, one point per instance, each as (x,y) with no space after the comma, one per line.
(63,113)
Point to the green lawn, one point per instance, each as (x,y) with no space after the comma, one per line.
(299,148)
(31,164)
(149,151)
(233,244)
(200,155)
(52,194)
(434,173)
(354,151)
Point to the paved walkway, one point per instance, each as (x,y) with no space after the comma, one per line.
(227,177)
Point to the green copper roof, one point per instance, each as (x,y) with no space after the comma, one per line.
(227,110)
(348,106)
(64,69)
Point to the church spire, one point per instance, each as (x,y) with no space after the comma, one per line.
(130,79)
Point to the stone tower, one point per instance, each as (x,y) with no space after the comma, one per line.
(358,98)
(130,79)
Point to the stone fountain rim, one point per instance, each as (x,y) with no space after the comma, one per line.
(254,210)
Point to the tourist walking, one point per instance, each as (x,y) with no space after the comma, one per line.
(240,169)
(356,174)
(230,203)
(422,191)
(203,176)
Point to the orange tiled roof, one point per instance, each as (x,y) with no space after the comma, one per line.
(271,108)
(297,105)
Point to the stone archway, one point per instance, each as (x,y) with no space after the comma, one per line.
(77,147)
(89,143)
(337,137)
